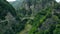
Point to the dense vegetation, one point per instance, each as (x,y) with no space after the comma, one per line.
(30,17)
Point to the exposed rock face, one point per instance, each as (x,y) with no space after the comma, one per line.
(36,5)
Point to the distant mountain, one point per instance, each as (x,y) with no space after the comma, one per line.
(16,4)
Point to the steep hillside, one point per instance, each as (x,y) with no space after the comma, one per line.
(47,20)
(30,17)
(10,23)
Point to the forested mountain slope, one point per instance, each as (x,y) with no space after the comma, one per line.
(10,23)
(47,21)
(33,17)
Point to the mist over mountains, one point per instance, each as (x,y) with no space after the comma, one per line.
(16,4)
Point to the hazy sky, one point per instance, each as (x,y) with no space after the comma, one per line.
(15,0)
(58,0)
(11,0)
